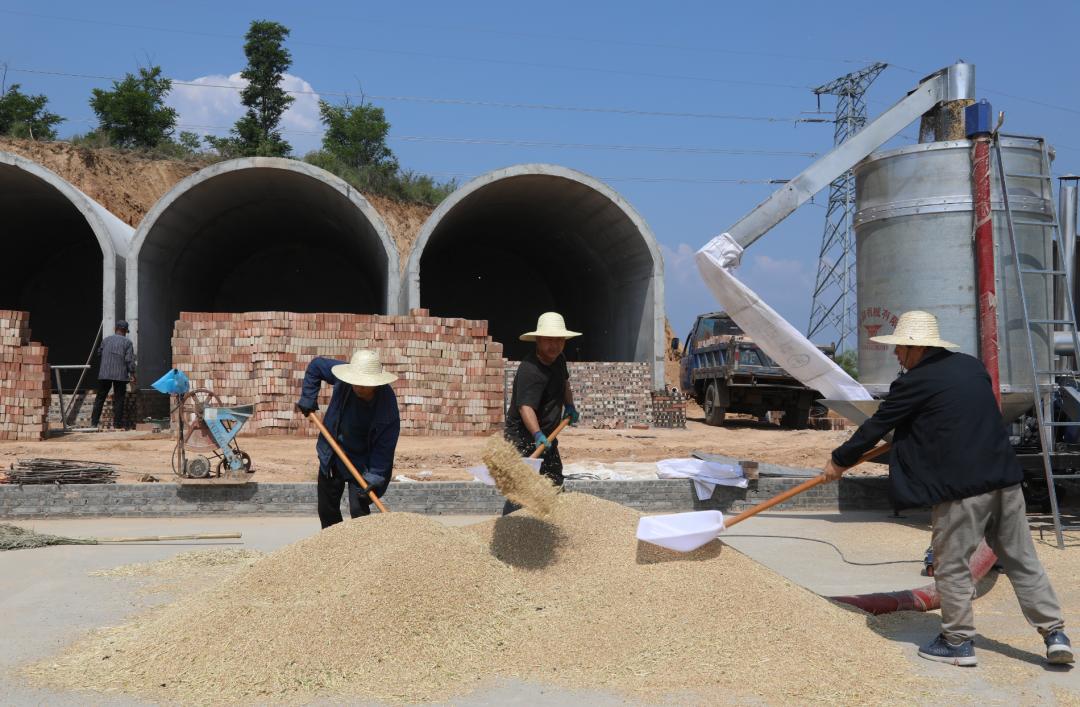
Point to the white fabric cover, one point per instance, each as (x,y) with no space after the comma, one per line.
(781,341)
(705,475)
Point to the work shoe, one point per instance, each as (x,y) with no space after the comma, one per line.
(1058,649)
(942,651)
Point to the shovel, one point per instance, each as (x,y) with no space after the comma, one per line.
(314,417)
(684,532)
(482,474)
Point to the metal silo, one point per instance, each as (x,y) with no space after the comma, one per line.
(913,230)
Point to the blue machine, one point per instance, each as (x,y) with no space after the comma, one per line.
(206,432)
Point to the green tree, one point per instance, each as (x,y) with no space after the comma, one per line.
(256,133)
(849,361)
(189,141)
(133,113)
(356,135)
(25,116)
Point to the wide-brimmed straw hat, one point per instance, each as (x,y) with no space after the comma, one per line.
(364,368)
(916,328)
(550,324)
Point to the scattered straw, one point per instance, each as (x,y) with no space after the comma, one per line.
(185,562)
(516,480)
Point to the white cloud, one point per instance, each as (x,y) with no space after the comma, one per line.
(207,109)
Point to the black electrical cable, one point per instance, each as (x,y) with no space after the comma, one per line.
(826,542)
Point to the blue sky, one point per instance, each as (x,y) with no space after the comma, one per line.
(755,60)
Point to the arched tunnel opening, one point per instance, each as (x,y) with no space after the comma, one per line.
(527,243)
(257,235)
(54,267)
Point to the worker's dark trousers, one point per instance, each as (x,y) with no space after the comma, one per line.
(119,389)
(999,517)
(331,486)
(551,466)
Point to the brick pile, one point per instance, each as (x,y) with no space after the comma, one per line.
(608,394)
(668,409)
(449,369)
(81,410)
(24,380)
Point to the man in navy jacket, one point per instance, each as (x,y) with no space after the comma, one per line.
(364,420)
(951,452)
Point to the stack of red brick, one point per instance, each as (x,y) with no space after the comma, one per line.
(450,371)
(608,394)
(24,380)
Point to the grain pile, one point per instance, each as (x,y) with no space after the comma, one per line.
(397,607)
(450,370)
(516,480)
(185,563)
(24,380)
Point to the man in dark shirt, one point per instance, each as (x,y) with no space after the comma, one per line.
(116,371)
(364,419)
(542,397)
(951,452)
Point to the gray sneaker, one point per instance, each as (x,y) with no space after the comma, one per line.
(942,651)
(1058,649)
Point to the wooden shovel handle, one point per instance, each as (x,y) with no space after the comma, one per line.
(314,417)
(805,486)
(554,433)
(159,538)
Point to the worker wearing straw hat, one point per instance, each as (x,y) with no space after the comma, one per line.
(951,452)
(542,396)
(363,417)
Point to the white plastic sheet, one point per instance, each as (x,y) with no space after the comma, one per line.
(776,337)
(705,475)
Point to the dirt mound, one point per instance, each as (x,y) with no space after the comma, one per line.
(127,184)
(397,607)
(404,222)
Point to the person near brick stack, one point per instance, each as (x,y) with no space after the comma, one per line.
(364,419)
(117,369)
(951,452)
(541,397)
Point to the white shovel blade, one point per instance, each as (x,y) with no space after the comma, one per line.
(481,473)
(681,532)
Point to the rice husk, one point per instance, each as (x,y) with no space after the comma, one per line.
(516,480)
(397,607)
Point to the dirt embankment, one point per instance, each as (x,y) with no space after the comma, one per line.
(126,184)
(129,184)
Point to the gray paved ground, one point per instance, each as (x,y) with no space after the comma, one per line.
(47,597)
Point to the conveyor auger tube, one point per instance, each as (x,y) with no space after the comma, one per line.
(921,599)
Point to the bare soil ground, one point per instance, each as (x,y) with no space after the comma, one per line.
(293,458)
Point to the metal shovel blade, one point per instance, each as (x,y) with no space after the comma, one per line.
(681,532)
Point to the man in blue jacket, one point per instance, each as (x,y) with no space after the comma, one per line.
(363,417)
(951,452)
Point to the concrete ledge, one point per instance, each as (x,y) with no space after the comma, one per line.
(434,498)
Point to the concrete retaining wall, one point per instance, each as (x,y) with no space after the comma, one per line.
(435,498)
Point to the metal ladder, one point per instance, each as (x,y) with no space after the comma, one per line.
(1046,377)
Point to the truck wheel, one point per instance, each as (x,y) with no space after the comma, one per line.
(714,414)
(796,418)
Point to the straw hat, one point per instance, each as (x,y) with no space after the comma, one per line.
(916,328)
(550,324)
(363,369)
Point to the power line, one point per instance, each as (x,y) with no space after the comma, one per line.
(444,57)
(460,101)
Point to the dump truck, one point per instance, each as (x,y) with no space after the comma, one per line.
(725,371)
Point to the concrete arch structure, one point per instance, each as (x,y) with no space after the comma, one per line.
(530,238)
(63,259)
(256,234)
